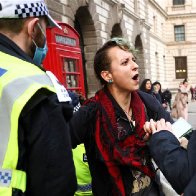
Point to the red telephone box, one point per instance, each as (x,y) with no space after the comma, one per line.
(64,57)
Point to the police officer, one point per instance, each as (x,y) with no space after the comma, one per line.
(35,148)
(82,171)
(84,185)
(175,158)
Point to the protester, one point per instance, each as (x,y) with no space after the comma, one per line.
(36,156)
(177,163)
(180,104)
(111,126)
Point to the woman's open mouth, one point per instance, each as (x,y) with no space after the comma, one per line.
(136,77)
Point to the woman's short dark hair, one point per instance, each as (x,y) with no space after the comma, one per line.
(102,60)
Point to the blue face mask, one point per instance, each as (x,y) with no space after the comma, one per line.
(40,53)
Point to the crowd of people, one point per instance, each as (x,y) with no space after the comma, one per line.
(155,89)
(179,106)
(118,131)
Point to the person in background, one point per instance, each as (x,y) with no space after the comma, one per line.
(110,125)
(84,185)
(158,92)
(185,84)
(160,96)
(180,104)
(36,155)
(146,86)
(166,97)
(192,92)
(180,85)
(176,161)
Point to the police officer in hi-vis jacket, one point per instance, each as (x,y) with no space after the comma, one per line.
(35,147)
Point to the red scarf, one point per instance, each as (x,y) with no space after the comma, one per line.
(129,152)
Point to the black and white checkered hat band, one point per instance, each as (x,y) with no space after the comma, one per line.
(31,10)
(77,107)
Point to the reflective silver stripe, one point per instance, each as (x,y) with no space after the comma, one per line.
(15,88)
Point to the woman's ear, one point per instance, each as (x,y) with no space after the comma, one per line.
(31,26)
(107,76)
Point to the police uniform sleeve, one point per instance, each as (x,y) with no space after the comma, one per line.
(190,188)
(82,124)
(45,147)
(177,164)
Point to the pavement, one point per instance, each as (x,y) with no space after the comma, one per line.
(192,113)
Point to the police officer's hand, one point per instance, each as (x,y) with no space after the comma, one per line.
(154,127)
(183,142)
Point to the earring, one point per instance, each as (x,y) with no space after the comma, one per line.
(110,81)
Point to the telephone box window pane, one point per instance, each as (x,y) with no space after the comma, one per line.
(181,67)
(72,81)
(65,65)
(70,65)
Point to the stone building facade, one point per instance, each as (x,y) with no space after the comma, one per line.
(151,26)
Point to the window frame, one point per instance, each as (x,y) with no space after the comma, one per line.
(179,35)
(181,70)
(178,2)
(71,73)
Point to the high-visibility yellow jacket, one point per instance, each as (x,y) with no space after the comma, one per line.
(19,81)
(82,171)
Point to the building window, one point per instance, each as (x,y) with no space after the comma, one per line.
(181,67)
(179,32)
(178,2)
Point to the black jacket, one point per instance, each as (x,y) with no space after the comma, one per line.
(177,164)
(83,126)
(44,141)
